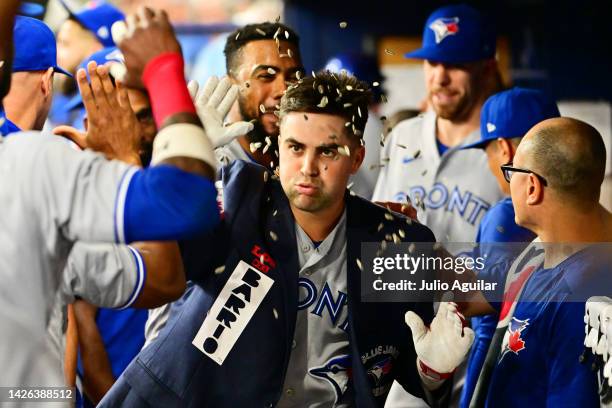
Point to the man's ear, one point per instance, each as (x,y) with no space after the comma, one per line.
(358,156)
(506,148)
(46,83)
(535,190)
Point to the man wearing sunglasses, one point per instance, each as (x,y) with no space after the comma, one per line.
(505,118)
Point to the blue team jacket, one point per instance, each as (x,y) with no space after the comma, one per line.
(171,372)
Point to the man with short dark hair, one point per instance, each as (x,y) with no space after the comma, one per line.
(263,59)
(285,262)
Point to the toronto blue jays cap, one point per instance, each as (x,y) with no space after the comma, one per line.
(104,56)
(512,113)
(98,17)
(456,34)
(35,47)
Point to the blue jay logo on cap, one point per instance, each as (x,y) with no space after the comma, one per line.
(443,27)
(490,127)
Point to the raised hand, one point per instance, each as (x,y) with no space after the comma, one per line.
(441,347)
(213,102)
(113,128)
(142,37)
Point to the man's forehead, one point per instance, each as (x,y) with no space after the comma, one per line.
(266,52)
(314,128)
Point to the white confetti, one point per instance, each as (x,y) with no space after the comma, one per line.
(254,146)
(375,83)
(344,150)
(343,24)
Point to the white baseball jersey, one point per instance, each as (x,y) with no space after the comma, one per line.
(52,196)
(456,188)
(106,275)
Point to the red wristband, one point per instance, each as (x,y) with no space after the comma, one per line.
(164,78)
(433,374)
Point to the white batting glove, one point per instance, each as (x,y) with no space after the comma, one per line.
(212,103)
(443,346)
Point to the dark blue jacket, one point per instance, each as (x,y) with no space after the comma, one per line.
(171,372)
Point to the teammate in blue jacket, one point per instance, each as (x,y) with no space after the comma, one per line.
(274,317)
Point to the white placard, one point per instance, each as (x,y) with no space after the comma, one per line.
(233,309)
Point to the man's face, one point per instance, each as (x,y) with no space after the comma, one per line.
(495,159)
(141,105)
(313,173)
(518,185)
(263,76)
(74,44)
(452,90)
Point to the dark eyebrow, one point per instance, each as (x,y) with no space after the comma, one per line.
(293,141)
(324,146)
(264,67)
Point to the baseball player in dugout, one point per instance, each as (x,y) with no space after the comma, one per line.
(451,188)
(89,198)
(34,64)
(274,317)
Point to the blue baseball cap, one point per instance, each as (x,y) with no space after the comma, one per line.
(456,34)
(512,113)
(104,56)
(35,47)
(98,17)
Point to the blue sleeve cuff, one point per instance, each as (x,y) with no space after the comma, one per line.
(141,277)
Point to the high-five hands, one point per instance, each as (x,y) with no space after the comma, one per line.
(112,126)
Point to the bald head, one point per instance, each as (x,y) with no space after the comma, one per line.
(569,154)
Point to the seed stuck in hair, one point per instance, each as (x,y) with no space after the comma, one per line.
(273,234)
(343,24)
(262,108)
(260,31)
(237,35)
(389,51)
(324,102)
(271,71)
(375,83)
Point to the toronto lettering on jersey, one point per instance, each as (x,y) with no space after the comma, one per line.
(325,300)
(468,205)
(232,311)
